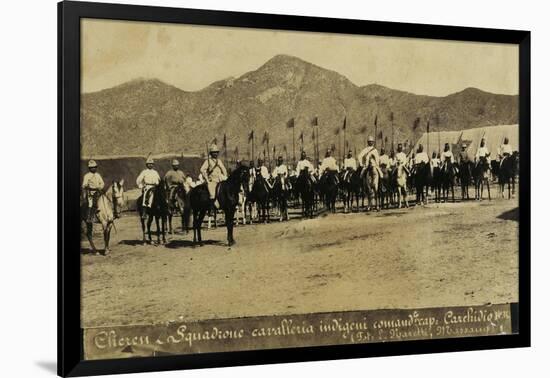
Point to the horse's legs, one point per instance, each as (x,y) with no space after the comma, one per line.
(170,223)
(229,214)
(142,228)
(158,229)
(488,189)
(106,237)
(89,235)
(149,221)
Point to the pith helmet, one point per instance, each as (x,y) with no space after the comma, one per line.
(149,160)
(464,145)
(175,162)
(92,164)
(214,148)
(370,139)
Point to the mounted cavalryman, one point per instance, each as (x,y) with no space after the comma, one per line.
(213,172)
(350,165)
(173,178)
(92,184)
(147,181)
(369,156)
(280,172)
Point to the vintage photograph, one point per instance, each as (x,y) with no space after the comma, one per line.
(251,189)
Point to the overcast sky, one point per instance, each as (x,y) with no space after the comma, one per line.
(192,57)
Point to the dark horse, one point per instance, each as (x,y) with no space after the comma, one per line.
(227,195)
(305,189)
(422,178)
(465,178)
(260,194)
(482,175)
(280,196)
(448,179)
(158,211)
(436,182)
(507,175)
(351,187)
(385,190)
(179,203)
(329,189)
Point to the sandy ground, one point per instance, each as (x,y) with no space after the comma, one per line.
(441,255)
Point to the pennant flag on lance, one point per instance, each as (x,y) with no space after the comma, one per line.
(315,121)
(290,123)
(224,141)
(416,123)
(251,135)
(265,139)
(344,125)
(301,137)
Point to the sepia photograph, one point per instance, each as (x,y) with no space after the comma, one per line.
(250,189)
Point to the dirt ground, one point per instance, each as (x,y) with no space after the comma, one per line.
(440,255)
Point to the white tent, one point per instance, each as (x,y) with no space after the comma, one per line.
(493,135)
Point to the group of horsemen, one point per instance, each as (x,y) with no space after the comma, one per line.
(213,171)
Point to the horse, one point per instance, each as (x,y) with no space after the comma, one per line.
(385,187)
(482,174)
(227,195)
(422,181)
(465,177)
(351,187)
(371,181)
(448,179)
(399,178)
(280,196)
(179,203)
(329,189)
(436,185)
(495,169)
(260,194)
(507,174)
(109,204)
(305,190)
(158,211)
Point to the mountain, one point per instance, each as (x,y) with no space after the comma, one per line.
(145,116)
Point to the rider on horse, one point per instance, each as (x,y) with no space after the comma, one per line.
(281,173)
(482,151)
(463,156)
(369,155)
(505,151)
(329,165)
(435,162)
(213,172)
(92,184)
(384,159)
(263,173)
(304,163)
(421,156)
(350,165)
(401,158)
(147,181)
(173,178)
(447,156)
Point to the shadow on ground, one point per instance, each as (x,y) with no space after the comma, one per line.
(510,215)
(189,243)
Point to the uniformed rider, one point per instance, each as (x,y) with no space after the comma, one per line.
(92,185)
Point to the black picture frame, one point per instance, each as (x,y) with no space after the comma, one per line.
(70,349)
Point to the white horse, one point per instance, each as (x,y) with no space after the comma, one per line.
(401,185)
(107,204)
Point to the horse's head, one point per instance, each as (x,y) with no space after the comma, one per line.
(118,193)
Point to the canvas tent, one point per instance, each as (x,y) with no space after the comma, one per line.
(494,137)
